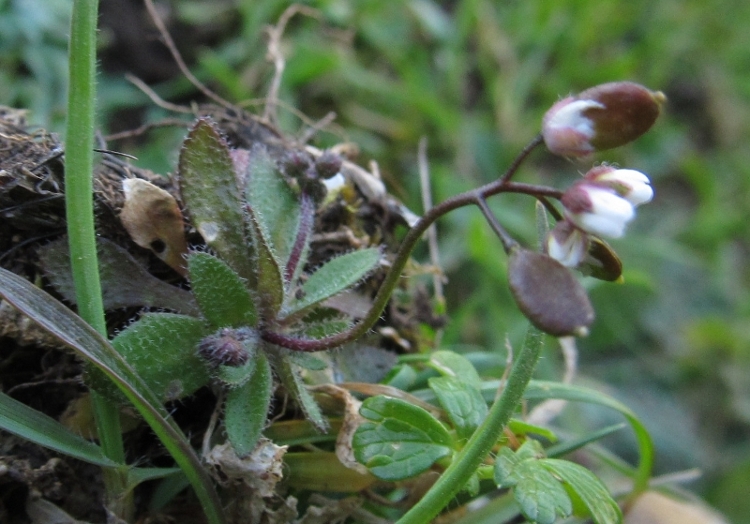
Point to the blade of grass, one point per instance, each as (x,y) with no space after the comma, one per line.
(34,426)
(68,327)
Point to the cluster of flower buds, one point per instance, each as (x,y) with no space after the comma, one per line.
(603,117)
(600,204)
(311,174)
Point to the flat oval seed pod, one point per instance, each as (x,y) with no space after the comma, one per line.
(548,294)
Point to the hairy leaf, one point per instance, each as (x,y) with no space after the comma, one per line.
(335,276)
(273,205)
(220,292)
(161,347)
(246,408)
(290,378)
(209,188)
(270,283)
(125,282)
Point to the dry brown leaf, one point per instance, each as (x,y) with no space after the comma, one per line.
(153,220)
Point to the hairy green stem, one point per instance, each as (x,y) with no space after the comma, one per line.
(455,477)
(79,159)
(474,196)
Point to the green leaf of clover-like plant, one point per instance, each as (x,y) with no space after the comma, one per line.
(209,188)
(541,497)
(335,276)
(220,292)
(400,440)
(463,402)
(451,364)
(589,489)
(246,407)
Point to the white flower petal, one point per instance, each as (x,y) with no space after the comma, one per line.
(630,184)
(609,213)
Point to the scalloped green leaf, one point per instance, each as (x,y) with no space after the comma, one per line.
(592,492)
(246,407)
(220,292)
(161,349)
(272,204)
(540,496)
(209,188)
(451,364)
(463,402)
(400,440)
(334,277)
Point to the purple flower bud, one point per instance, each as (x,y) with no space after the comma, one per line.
(632,185)
(328,164)
(567,244)
(228,346)
(603,117)
(596,209)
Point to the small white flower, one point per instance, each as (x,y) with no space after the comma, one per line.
(567,244)
(632,185)
(566,131)
(597,210)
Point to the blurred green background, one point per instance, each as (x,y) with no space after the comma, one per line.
(475,77)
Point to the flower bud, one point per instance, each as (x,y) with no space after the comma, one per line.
(602,117)
(228,346)
(632,185)
(548,294)
(567,244)
(596,209)
(328,164)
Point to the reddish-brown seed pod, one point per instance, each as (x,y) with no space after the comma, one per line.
(548,294)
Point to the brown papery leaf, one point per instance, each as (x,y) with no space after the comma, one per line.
(153,220)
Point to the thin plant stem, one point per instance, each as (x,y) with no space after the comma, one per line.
(499,230)
(79,160)
(501,185)
(466,462)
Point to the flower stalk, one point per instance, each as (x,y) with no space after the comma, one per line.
(79,159)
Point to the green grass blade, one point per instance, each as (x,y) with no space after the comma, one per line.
(88,343)
(541,390)
(36,427)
